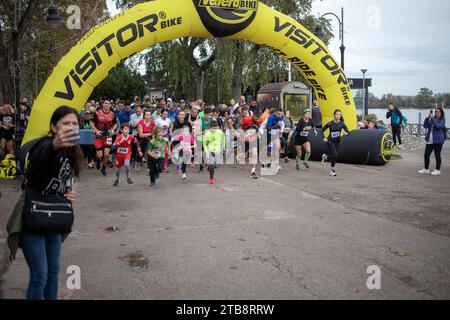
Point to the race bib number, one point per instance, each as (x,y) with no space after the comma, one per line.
(304,134)
(335,135)
(109,140)
(123,150)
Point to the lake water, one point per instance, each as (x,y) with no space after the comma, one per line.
(413,115)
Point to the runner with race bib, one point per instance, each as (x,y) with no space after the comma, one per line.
(334,139)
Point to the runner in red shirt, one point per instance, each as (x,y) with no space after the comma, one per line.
(123,147)
(250,140)
(104,123)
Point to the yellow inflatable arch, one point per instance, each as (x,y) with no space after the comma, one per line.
(146,24)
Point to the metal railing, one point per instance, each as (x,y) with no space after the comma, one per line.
(418,130)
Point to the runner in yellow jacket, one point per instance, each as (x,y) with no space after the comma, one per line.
(213,146)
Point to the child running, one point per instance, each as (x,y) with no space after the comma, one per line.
(183,149)
(334,139)
(213,146)
(123,147)
(156,153)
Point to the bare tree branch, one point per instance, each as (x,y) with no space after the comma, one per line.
(26,18)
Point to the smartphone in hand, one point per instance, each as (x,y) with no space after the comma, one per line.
(87,137)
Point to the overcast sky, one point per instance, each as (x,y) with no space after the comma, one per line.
(403,43)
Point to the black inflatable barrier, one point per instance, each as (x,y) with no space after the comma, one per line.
(364,147)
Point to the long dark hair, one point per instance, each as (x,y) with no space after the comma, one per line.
(336,111)
(442,112)
(75,153)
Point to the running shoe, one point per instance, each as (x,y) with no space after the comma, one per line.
(157,176)
(333,173)
(297,166)
(183,176)
(424,171)
(103,172)
(306,165)
(90,165)
(324,158)
(436,173)
(129,181)
(152,184)
(253,176)
(212,180)
(116,183)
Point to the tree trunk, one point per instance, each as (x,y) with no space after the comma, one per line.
(238,69)
(6,82)
(200,82)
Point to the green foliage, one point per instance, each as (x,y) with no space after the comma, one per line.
(176,65)
(122,83)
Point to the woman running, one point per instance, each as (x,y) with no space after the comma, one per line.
(334,139)
(146,130)
(304,126)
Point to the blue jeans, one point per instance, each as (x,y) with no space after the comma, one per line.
(42,253)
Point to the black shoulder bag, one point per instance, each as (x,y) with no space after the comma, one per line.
(47,214)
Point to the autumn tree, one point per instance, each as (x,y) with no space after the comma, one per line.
(40,46)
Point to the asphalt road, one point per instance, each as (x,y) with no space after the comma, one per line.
(296,235)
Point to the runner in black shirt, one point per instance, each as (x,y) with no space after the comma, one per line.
(334,139)
(300,136)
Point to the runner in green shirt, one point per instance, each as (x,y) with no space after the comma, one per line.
(213,146)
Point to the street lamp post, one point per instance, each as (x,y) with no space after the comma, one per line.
(319,33)
(15,37)
(364,94)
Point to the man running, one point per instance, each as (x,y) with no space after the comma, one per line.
(104,124)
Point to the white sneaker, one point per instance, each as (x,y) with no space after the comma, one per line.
(436,173)
(333,173)
(324,158)
(424,171)
(183,176)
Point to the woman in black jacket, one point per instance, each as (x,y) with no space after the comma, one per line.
(54,161)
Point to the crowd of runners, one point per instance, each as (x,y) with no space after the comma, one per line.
(150,136)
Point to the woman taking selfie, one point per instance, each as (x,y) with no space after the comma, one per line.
(48,212)
(435,139)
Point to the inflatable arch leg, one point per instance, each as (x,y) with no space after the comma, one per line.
(131,31)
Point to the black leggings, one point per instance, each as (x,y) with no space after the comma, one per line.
(155,166)
(135,155)
(334,152)
(89,152)
(397,133)
(437,148)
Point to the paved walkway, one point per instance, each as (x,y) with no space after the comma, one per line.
(297,235)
